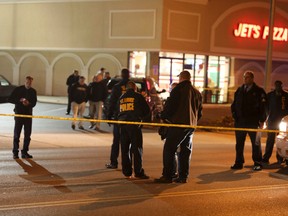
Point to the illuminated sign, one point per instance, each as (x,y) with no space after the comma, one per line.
(246,30)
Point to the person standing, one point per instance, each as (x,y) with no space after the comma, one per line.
(277,108)
(79,96)
(248,111)
(113,111)
(25,98)
(183,107)
(107,77)
(133,107)
(97,95)
(72,79)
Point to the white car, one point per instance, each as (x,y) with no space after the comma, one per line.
(282,138)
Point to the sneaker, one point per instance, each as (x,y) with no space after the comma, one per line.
(91,126)
(81,127)
(181,180)
(15,156)
(143,176)
(111,166)
(163,180)
(73,127)
(67,113)
(257,167)
(237,166)
(26,155)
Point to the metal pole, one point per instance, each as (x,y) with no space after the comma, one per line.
(268,66)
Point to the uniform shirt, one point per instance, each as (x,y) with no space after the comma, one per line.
(117,91)
(184,105)
(79,93)
(132,106)
(277,106)
(72,79)
(22,92)
(249,107)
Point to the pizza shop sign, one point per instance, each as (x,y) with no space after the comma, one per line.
(246,30)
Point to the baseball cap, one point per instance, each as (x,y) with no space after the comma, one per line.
(185,74)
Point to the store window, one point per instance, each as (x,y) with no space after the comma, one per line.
(137,63)
(209,74)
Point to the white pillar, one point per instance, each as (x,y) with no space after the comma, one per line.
(16,74)
(49,80)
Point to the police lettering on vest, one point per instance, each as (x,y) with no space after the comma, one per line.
(127,104)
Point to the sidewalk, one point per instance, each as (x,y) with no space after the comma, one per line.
(212,113)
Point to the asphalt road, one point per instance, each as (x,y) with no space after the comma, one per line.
(67,176)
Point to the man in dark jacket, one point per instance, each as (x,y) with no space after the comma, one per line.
(72,79)
(25,98)
(117,91)
(183,107)
(97,95)
(248,111)
(133,107)
(277,108)
(79,97)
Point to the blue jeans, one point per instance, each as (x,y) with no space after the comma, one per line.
(177,137)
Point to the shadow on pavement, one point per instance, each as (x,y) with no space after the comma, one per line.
(39,175)
(128,192)
(225,176)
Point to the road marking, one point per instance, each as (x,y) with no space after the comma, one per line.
(139,197)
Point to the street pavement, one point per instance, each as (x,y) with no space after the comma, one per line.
(67,175)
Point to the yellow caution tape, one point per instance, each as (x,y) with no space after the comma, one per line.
(142,123)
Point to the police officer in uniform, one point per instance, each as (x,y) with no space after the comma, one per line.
(277,108)
(25,98)
(248,111)
(113,111)
(133,107)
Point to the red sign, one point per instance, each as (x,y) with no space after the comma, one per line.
(246,30)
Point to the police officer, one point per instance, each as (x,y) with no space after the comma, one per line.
(277,108)
(133,107)
(183,107)
(248,111)
(113,111)
(25,98)
(72,79)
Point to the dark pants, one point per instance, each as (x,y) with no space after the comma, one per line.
(131,146)
(19,123)
(240,142)
(270,144)
(115,145)
(177,137)
(69,104)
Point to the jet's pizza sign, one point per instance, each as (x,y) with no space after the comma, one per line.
(246,30)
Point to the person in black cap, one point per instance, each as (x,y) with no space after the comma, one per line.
(248,111)
(183,107)
(72,79)
(25,98)
(277,108)
(113,111)
(133,107)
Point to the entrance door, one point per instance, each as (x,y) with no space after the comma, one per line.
(169,69)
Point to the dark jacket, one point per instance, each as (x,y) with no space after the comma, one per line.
(277,107)
(249,108)
(72,79)
(132,107)
(97,91)
(117,91)
(79,93)
(184,105)
(22,92)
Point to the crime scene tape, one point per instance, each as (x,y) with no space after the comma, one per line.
(142,123)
